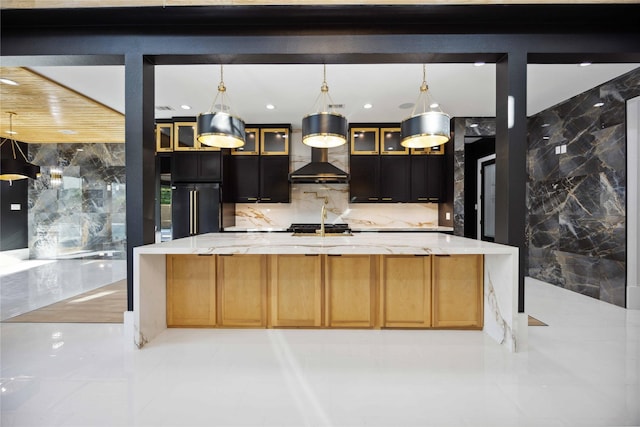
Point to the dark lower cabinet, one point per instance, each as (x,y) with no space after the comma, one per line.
(364,184)
(244,178)
(197,167)
(394,179)
(274,179)
(427,178)
(260,179)
(195,209)
(379,179)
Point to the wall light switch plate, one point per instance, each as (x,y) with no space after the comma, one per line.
(16,207)
(447,216)
(558,149)
(563,149)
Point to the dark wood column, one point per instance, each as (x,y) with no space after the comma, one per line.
(140,158)
(511,157)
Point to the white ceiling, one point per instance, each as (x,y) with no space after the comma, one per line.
(463,90)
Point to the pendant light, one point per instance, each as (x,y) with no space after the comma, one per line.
(14,168)
(429,128)
(217,128)
(324,129)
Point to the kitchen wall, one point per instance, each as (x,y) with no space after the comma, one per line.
(77,208)
(576,191)
(307,200)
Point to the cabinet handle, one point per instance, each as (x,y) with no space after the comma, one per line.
(265,198)
(373,198)
(225,254)
(387,199)
(442,255)
(334,255)
(205,254)
(421,255)
(311,254)
(252,199)
(424,198)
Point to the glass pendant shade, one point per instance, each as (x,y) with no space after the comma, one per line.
(428,128)
(425,130)
(218,129)
(324,130)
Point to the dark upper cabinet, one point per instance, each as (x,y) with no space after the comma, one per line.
(274,179)
(394,178)
(427,178)
(364,185)
(260,170)
(197,167)
(379,166)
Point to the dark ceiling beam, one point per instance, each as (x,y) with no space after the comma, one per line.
(426,19)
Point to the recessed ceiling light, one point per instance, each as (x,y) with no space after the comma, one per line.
(67,131)
(473,125)
(368,106)
(406,105)
(478,63)
(271,107)
(9,82)
(598,104)
(585,64)
(185,107)
(12,132)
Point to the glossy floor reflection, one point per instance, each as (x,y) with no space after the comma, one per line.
(28,285)
(581,370)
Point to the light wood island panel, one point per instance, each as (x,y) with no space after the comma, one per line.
(343,291)
(457,291)
(242,290)
(405,291)
(350,291)
(295,290)
(191,290)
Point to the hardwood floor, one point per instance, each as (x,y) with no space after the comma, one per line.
(102,305)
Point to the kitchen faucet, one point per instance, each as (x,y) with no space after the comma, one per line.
(323,216)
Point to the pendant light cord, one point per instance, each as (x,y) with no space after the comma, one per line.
(323,97)
(14,144)
(222,93)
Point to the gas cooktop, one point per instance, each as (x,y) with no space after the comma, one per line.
(311,228)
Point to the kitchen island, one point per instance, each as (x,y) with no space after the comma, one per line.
(364,280)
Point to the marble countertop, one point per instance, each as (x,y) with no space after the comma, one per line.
(355,229)
(418,243)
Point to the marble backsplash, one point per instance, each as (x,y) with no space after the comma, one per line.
(77,208)
(576,201)
(307,201)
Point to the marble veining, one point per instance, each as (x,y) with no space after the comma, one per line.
(576,222)
(500,266)
(78,206)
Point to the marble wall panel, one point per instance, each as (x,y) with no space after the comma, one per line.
(75,216)
(586,200)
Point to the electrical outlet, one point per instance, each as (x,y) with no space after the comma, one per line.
(447,216)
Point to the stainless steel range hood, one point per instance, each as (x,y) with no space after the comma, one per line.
(319,171)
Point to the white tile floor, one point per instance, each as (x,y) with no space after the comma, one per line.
(27,285)
(581,370)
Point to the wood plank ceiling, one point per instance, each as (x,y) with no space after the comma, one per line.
(47,112)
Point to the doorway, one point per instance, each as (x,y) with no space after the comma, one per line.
(486,202)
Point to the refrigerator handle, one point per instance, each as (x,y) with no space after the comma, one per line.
(196,195)
(191,212)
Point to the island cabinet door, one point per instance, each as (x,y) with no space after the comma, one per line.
(296,290)
(191,290)
(350,291)
(242,290)
(405,291)
(457,291)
